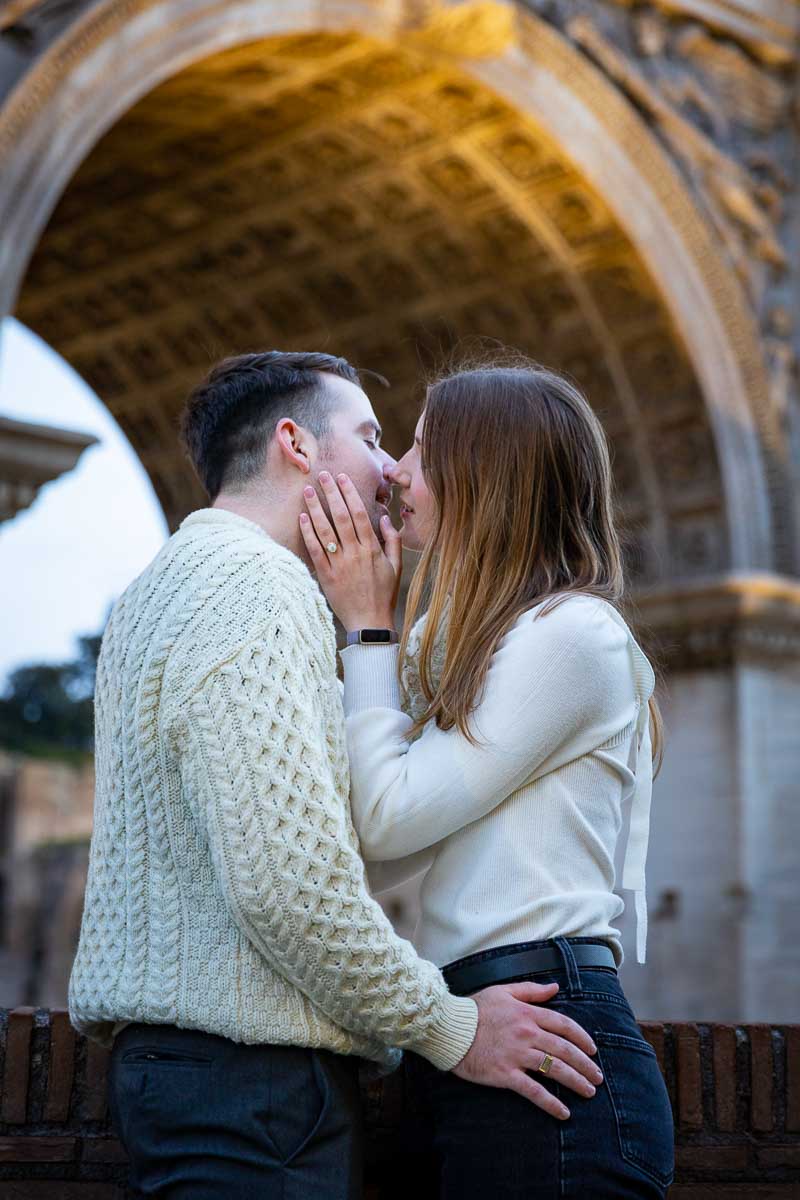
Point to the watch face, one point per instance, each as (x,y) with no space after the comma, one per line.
(376,635)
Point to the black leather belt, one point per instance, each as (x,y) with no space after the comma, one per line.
(505,968)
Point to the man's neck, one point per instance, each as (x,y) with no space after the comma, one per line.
(278,516)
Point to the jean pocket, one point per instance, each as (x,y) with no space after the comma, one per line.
(298,1101)
(160,1056)
(640,1102)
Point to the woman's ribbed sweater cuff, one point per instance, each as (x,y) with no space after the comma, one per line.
(370,678)
(450,1038)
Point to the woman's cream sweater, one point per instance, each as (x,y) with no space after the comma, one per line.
(226,891)
(518,834)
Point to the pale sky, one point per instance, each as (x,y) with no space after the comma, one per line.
(65,560)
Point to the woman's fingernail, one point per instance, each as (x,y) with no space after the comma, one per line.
(309,491)
(304,518)
(341,479)
(385,520)
(324,477)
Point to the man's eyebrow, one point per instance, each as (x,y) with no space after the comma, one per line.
(371,427)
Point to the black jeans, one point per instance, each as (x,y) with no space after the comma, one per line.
(205,1118)
(480,1142)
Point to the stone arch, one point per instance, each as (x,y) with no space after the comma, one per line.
(121,51)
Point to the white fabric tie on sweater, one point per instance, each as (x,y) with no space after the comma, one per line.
(641,765)
(633,870)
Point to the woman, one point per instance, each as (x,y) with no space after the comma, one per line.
(499,748)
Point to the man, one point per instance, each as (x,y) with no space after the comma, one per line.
(229,945)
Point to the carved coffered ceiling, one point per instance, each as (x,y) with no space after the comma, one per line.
(332,192)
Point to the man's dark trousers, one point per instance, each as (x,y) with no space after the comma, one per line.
(205,1118)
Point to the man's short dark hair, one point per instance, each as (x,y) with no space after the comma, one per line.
(229,418)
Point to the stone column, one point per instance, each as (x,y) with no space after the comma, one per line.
(724,860)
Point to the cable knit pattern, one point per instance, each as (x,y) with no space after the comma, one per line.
(226,891)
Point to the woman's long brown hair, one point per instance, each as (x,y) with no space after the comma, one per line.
(518,466)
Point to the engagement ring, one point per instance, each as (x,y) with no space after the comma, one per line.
(332,547)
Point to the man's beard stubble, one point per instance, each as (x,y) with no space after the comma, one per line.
(374,510)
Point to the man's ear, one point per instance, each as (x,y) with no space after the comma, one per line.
(296,445)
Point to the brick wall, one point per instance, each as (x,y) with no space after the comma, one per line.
(45,825)
(735,1094)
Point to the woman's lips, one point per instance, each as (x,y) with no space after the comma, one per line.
(405,511)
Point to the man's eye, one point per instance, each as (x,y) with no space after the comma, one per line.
(373,445)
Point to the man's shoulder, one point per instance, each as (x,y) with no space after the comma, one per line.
(258,592)
(216,572)
(218,551)
(271,580)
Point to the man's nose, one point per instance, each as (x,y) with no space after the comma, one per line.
(394,473)
(388,467)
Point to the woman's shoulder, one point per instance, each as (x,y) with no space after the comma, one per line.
(576,622)
(594,629)
(584,615)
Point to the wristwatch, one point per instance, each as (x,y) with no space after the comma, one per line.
(372,637)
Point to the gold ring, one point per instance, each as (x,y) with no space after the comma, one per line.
(332,547)
(545,1065)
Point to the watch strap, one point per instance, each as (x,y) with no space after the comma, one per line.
(372,637)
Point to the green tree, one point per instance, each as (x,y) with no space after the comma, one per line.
(47,708)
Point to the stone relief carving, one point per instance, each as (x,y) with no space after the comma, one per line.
(782,362)
(768,31)
(723,83)
(13,10)
(25,17)
(473,29)
(697,545)
(745,91)
(733,199)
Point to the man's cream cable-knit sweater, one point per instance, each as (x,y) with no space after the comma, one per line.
(226,891)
